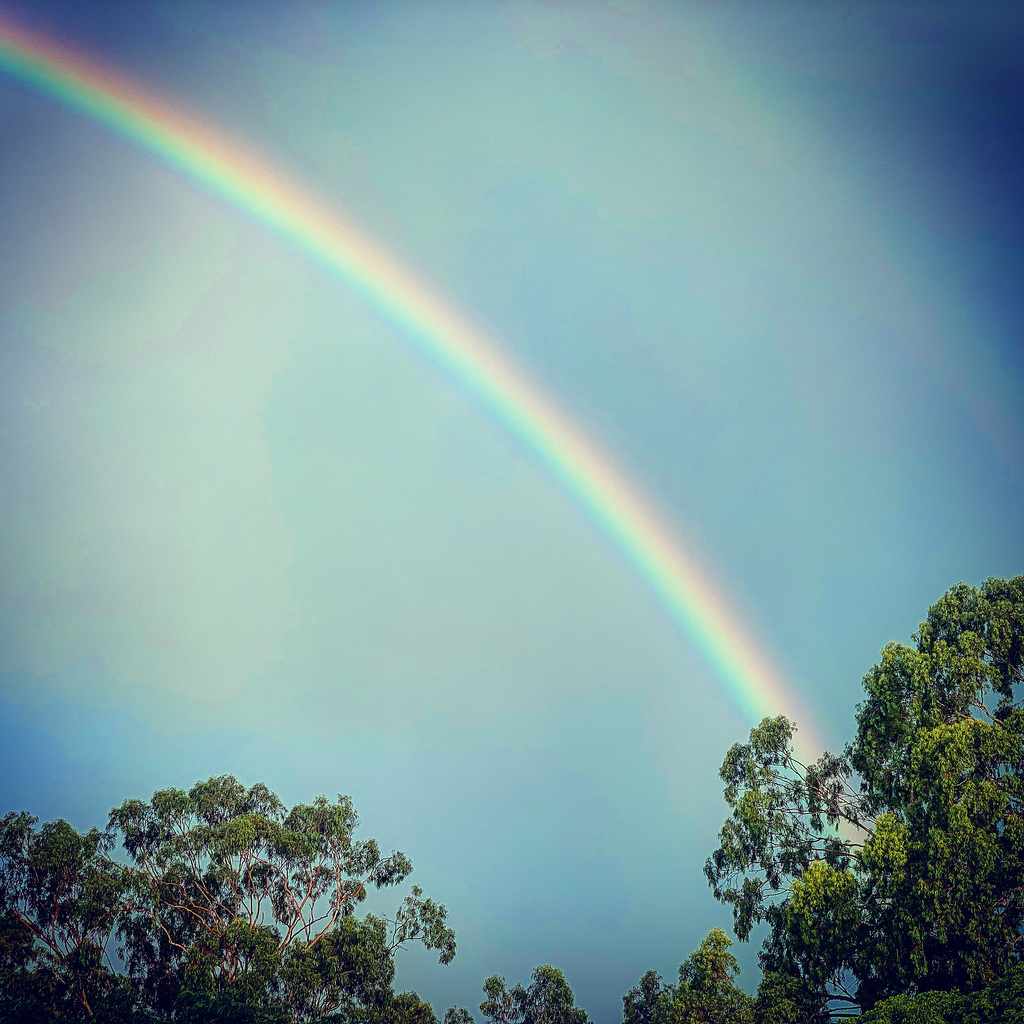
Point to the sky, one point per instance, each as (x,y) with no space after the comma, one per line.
(767,257)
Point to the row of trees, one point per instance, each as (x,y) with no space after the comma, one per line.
(889,879)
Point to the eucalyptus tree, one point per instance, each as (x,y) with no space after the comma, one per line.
(1000,1002)
(233,892)
(706,992)
(548,1000)
(897,867)
(60,896)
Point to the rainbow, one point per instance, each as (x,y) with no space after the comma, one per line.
(251,183)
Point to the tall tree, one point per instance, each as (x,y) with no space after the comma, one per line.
(548,1000)
(234,893)
(649,1002)
(706,992)
(60,896)
(899,866)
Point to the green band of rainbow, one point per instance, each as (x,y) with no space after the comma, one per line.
(206,155)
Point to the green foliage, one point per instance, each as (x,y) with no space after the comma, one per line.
(891,879)
(234,893)
(503,1005)
(224,1008)
(707,989)
(649,1002)
(60,896)
(999,1003)
(548,1000)
(785,998)
(234,909)
(404,1008)
(350,966)
(896,868)
(706,992)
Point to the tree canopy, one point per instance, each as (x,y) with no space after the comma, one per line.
(231,907)
(889,879)
(705,994)
(61,897)
(896,868)
(548,1000)
(235,892)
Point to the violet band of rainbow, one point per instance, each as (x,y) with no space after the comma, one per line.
(250,182)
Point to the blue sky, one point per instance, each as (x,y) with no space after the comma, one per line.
(770,256)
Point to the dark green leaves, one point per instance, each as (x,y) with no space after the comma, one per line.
(548,1000)
(241,894)
(898,867)
(423,919)
(60,897)
(706,992)
(234,908)
(648,1003)
(777,829)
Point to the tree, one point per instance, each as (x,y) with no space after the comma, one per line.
(60,896)
(236,897)
(234,909)
(898,867)
(706,993)
(224,1008)
(785,998)
(405,1008)
(649,1002)
(998,1003)
(548,1000)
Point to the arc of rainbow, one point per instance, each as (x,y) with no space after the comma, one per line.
(209,158)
